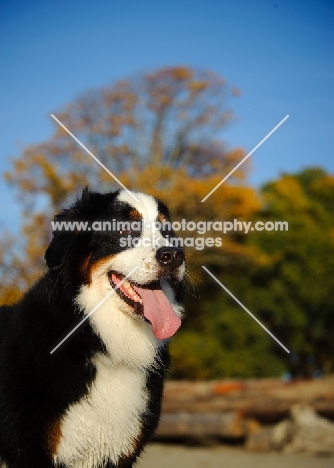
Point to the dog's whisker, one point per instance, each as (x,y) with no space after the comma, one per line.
(190,284)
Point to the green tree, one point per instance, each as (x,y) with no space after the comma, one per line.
(293,293)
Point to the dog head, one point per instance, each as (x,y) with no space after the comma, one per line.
(118,255)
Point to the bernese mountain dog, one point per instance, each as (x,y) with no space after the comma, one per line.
(94,400)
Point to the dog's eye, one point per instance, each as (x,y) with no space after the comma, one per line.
(125,232)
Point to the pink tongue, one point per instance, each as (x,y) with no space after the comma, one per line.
(159,312)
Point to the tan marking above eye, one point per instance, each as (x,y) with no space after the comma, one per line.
(162,217)
(134,214)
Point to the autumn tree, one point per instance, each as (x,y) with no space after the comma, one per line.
(160,133)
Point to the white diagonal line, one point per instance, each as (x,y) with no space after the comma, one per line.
(245,308)
(246,157)
(94,157)
(92,311)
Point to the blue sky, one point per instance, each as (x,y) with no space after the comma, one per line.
(279,53)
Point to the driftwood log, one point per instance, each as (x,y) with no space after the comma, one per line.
(201,425)
(266,400)
(236,409)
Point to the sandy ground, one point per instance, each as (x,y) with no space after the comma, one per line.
(176,456)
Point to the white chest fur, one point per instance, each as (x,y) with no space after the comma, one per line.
(106,422)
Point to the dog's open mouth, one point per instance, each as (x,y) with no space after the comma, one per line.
(150,302)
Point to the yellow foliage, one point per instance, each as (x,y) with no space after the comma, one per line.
(290,192)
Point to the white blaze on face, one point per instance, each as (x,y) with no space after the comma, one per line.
(144,254)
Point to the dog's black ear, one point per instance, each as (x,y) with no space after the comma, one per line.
(58,247)
(62,240)
(84,209)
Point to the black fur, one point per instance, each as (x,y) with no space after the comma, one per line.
(36,387)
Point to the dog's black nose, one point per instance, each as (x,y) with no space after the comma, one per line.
(171,257)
